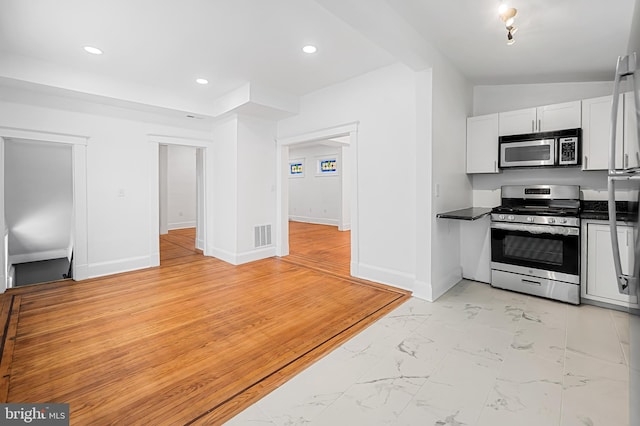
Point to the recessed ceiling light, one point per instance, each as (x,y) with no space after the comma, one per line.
(202,81)
(309,49)
(93,50)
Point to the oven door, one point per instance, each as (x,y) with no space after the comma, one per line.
(528,153)
(551,252)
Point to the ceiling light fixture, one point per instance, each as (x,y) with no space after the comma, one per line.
(309,49)
(508,15)
(202,81)
(93,50)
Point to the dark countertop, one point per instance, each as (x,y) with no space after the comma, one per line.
(471,213)
(626,211)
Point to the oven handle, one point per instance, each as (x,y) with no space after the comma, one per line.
(536,229)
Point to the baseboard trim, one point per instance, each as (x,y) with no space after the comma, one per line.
(240,258)
(181,225)
(315,220)
(118,266)
(390,277)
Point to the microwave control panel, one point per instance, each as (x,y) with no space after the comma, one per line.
(568,151)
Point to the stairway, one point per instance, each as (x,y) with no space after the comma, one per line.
(41,271)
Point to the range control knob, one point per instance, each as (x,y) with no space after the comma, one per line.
(563,220)
(511,217)
(529,219)
(552,220)
(501,217)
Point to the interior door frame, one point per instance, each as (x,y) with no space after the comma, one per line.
(204,164)
(282,185)
(79,172)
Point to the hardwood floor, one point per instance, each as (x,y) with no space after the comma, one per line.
(320,246)
(193,341)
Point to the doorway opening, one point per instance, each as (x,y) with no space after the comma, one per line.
(39,205)
(181,202)
(324,154)
(318,234)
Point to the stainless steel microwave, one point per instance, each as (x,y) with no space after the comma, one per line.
(546,149)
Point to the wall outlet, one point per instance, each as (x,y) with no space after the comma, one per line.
(121,192)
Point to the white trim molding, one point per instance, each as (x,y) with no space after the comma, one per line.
(80,207)
(390,277)
(179,140)
(246,257)
(322,134)
(44,136)
(117,266)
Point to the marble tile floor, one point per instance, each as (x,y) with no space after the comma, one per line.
(478,356)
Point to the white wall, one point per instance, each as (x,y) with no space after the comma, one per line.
(256,184)
(315,198)
(118,187)
(383,102)
(181,186)
(38,200)
(225,209)
(507,97)
(452,102)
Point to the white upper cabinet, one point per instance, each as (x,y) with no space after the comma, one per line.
(631,149)
(596,132)
(559,116)
(517,122)
(482,144)
(566,115)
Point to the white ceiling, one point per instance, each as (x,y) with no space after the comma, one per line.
(154,49)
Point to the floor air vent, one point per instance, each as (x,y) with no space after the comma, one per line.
(262,235)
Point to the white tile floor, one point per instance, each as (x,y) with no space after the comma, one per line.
(477,356)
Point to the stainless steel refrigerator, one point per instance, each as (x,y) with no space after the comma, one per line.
(625,178)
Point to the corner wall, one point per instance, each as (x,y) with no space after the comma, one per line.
(383,102)
(451,190)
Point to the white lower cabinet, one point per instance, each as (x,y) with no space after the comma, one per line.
(598,272)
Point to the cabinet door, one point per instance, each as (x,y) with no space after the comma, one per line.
(601,275)
(559,116)
(517,122)
(631,149)
(596,131)
(482,144)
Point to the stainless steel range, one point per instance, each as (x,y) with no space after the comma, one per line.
(535,241)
